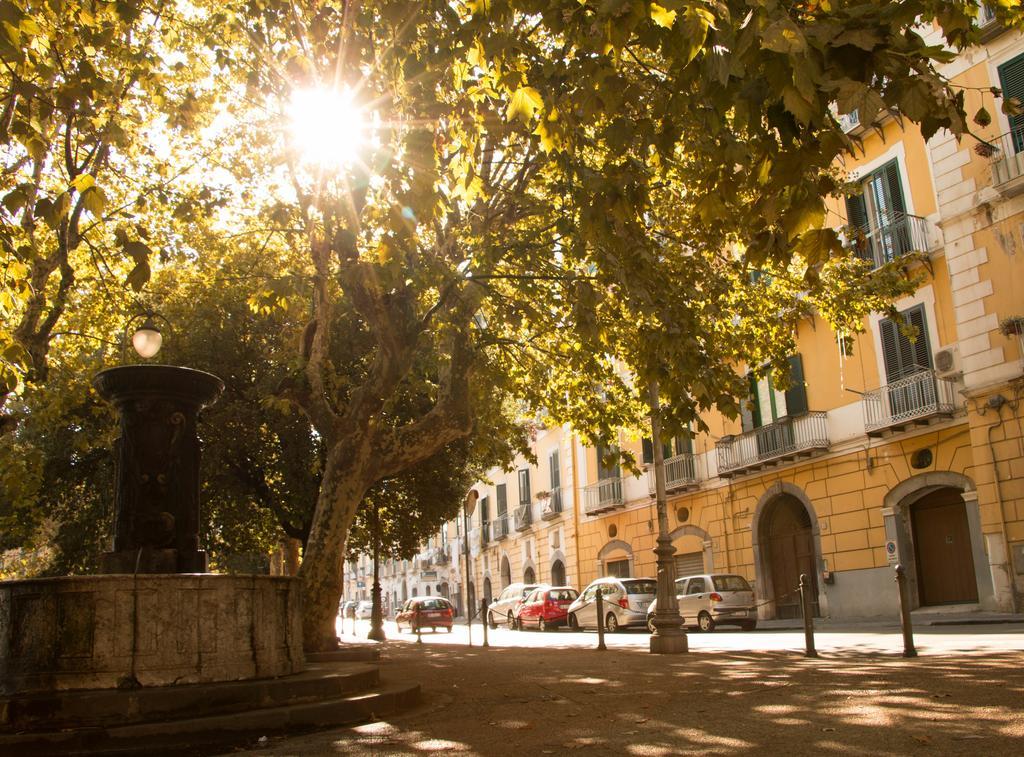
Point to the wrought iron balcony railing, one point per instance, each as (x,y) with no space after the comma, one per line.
(441,556)
(849,121)
(606,494)
(899,235)
(499,526)
(1007,156)
(523,517)
(917,399)
(553,507)
(780,442)
(680,473)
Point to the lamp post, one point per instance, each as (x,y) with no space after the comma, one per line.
(467,512)
(376,616)
(668,636)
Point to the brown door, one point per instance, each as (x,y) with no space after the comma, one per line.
(790,546)
(942,547)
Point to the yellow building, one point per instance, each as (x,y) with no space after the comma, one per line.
(886,450)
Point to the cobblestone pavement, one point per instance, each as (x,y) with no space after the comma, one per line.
(561,695)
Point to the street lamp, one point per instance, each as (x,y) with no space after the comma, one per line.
(376,615)
(147,338)
(668,636)
(467,512)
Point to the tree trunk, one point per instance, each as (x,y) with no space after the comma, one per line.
(341,491)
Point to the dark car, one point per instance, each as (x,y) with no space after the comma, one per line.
(546,607)
(426,612)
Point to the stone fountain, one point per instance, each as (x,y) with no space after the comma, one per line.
(155,617)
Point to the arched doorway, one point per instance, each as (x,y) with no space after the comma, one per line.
(443,589)
(488,596)
(529,577)
(558,573)
(942,549)
(506,572)
(787,549)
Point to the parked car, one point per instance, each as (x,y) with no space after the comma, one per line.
(347,609)
(425,612)
(503,609)
(545,608)
(625,603)
(364,610)
(713,599)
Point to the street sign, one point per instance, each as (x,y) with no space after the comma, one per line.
(890,552)
(360,584)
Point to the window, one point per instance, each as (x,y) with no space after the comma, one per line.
(678,445)
(901,356)
(617,568)
(878,215)
(524,486)
(485,509)
(555,473)
(1011,77)
(730,583)
(696,586)
(641,587)
(502,499)
(607,463)
(767,404)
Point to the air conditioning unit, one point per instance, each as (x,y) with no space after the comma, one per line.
(947,363)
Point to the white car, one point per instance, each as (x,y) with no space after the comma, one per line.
(364,610)
(713,599)
(625,602)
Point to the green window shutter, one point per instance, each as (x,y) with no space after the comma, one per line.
(796,395)
(524,487)
(648,454)
(603,470)
(502,499)
(891,202)
(891,336)
(556,472)
(857,212)
(1011,77)
(750,408)
(919,350)
(484,510)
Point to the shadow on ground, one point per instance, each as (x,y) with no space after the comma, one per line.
(549,701)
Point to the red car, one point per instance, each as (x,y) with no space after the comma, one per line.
(546,607)
(426,612)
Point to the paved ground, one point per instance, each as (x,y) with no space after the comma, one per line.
(532,693)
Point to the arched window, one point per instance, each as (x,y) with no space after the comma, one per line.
(529,577)
(506,572)
(558,573)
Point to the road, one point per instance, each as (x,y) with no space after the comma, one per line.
(851,639)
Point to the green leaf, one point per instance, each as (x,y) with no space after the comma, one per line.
(138,252)
(783,37)
(797,105)
(139,276)
(982,117)
(83,182)
(94,200)
(865,39)
(525,102)
(662,16)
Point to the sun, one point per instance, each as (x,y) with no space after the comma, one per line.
(327,126)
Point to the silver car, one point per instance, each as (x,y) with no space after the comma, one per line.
(625,603)
(713,599)
(503,609)
(364,610)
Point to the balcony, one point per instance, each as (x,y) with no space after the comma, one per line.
(441,556)
(901,234)
(523,517)
(605,495)
(680,474)
(1008,163)
(786,440)
(916,400)
(849,122)
(499,526)
(553,507)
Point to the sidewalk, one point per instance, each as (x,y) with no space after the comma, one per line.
(516,701)
(919,619)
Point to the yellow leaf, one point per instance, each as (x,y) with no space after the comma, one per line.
(662,16)
(525,102)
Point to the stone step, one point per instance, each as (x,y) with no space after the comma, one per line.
(201,735)
(105,707)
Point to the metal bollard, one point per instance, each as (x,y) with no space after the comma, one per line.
(419,630)
(805,607)
(483,619)
(600,621)
(908,628)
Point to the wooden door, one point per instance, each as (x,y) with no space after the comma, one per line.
(790,546)
(942,548)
